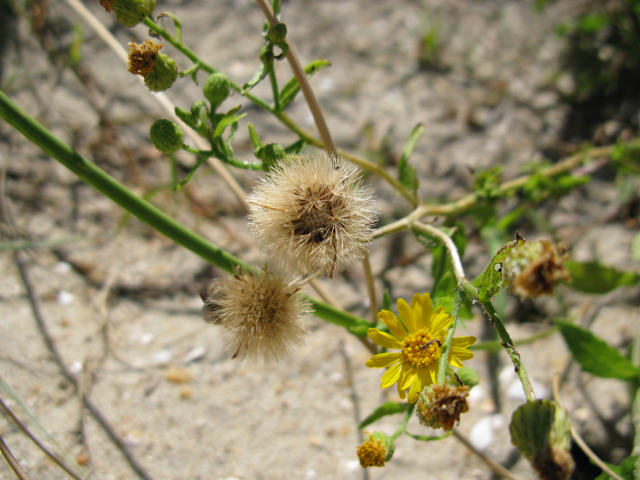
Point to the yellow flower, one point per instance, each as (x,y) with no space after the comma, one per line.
(419,335)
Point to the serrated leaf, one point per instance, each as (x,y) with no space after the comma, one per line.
(229,118)
(257,78)
(291,89)
(193,170)
(593,277)
(407,174)
(626,469)
(595,355)
(389,408)
(491,282)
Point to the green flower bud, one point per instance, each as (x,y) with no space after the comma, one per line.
(277,33)
(166,136)
(270,154)
(535,268)
(163,73)
(216,89)
(130,12)
(541,432)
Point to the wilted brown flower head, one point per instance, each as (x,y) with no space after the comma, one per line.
(261,316)
(311,215)
(440,405)
(535,268)
(142,56)
(371,452)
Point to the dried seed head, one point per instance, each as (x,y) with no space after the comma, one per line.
(533,269)
(440,406)
(376,450)
(142,56)
(260,314)
(311,215)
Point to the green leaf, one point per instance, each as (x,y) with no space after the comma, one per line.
(295,147)
(468,376)
(255,139)
(291,89)
(200,162)
(257,78)
(595,355)
(406,173)
(386,300)
(626,469)
(229,118)
(593,277)
(428,438)
(491,282)
(389,408)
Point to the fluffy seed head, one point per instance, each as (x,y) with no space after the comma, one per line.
(261,316)
(311,215)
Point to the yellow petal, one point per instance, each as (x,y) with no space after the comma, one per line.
(455,361)
(461,353)
(383,339)
(391,321)
(401,393)
(433,374)
(464,342)
(390,376)
(417,385)
(382,360)
(416,308)
(440,321)
(427,308)
(406,315)
(406,377)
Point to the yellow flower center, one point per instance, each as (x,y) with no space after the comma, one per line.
(421,349)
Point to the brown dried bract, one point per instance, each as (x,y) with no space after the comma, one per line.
(142,56)
(107,5)
(441,405)
(542,275)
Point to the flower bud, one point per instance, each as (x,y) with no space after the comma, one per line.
(129,12)
(533,269)
(277,33)
(541,431)
(376,450)
(163,74)
(270,154)
(216,89)
(440,405)
(166,136)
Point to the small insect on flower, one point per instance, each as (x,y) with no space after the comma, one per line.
(261,316)
(311,215)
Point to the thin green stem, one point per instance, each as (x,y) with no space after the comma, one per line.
(443,365)
(274,88)
(507,343)
(235,162)
(145,211)
(405,421)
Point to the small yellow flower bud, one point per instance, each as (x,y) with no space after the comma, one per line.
(216,89)
(533,269)
(166,136)
(376,450)
(440,405)
(542,432)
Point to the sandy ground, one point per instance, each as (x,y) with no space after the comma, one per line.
(122,305)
